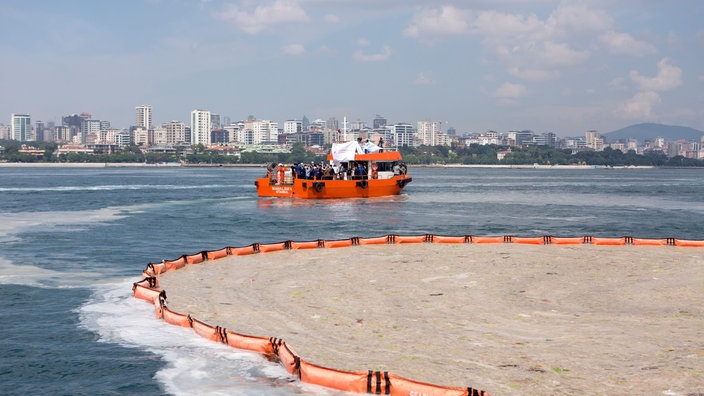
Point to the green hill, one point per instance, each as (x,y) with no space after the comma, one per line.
(649,131)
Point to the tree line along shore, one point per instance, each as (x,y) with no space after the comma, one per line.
(475,155)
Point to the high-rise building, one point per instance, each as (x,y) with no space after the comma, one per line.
(200,127)
(175,132)
(428,132)
(233,130)
(215,121)
(594,140)
(5,132)
(41,132)
(332,124)
(379,122)
(62,133)
(20,126)
(143,117)
(293,126)
(262,131)
(90,127)
(403,134)
(142,136)
(74,123)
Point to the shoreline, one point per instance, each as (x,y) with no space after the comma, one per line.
(175,165)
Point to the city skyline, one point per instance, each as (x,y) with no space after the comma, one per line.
(565,67)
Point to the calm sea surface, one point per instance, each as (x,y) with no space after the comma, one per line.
(73,240)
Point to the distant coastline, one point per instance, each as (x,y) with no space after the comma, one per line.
(176,165)
(116,165)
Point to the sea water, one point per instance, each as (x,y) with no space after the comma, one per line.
(73,240)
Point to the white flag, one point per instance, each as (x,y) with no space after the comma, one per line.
(343,152)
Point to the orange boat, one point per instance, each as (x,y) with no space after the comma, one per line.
(351,172)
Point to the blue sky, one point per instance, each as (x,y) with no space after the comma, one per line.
(560,66)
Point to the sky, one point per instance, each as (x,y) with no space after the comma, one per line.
(548,66)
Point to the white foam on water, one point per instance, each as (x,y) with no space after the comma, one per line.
(13,223)
(116,187)
(30,275)
(193,365)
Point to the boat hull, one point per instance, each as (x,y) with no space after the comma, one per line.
(327,189)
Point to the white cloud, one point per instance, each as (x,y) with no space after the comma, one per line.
(578,17)
(560,54)
(669,77)
(362,42)
(446,20)
(640,106)
(701,77)
(384,55)
(510,91)
(424,79)
(625,44)
(293,49)
(533,74)
(530,48)
(264,17)
(331,19)
(498,24)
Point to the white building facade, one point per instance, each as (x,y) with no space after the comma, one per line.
(429,132)
(175,132)
(143,116)
(20,127)
(403,134)
(200,127)
(260,131)
(293,126)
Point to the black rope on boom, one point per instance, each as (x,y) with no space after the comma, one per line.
(474,392)
(378,382)
(275,344)
(222,334)
(162,298)
(297,365)
(369,381)
(150,268)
